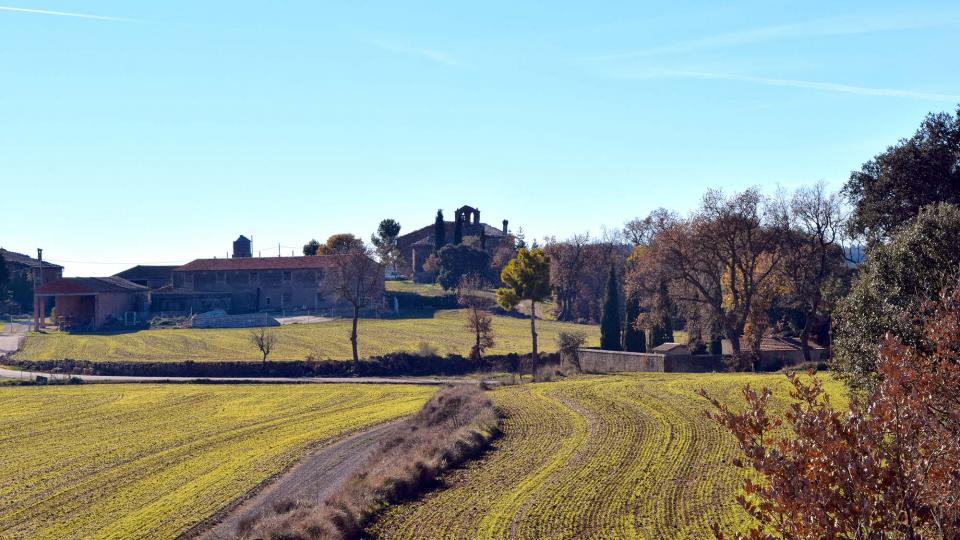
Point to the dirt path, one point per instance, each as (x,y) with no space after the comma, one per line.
(313,478)
(12,338)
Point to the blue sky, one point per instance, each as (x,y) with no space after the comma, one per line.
(155,132)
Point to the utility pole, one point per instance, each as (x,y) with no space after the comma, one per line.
(38,308)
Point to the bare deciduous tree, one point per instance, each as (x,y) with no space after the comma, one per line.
(479,320)
(718,259)
(264,340)
(813,258)
(359,276)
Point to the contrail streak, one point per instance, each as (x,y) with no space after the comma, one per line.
(65,14)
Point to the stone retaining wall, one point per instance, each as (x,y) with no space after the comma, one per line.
(600,361)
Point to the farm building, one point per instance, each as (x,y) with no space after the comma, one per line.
(249,284)
(20,264)
(152,277)
(671,349)
(91,303)
(776,350)
(417,246)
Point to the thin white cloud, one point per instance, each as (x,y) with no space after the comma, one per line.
(794,83)
(65,14)
(834,26)
(431,55)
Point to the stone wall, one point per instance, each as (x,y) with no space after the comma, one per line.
(600,361)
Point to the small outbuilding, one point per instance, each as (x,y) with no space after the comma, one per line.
(672,349)
(91,303)
(778,351)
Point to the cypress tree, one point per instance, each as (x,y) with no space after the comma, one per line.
(4,279)
(610,318)
(458,232)
(634,340)
(661,327)
(439,232)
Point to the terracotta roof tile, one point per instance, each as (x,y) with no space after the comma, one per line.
(89,285)
(259,263)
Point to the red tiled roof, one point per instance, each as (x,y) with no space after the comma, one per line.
(147,272)
(259,263)
(771,343)
(89,285)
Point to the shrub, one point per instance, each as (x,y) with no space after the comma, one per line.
(888,467)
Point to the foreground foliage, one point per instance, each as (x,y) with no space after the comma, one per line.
(891,288)
(445,329)
(629,456)
(132,461)
(887,468)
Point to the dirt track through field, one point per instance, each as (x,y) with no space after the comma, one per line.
(314,478)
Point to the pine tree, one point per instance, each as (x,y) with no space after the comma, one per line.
(610,321)
(661,327)
(634,339)
(458,232)
(439,232)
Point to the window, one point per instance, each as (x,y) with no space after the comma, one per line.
(320,275)
(287,276)
(268,300)
(254,276)
(221,277)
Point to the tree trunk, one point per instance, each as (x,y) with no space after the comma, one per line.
(734,337)
(533,332)
(353,335)
(805,338)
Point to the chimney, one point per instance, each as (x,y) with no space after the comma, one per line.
(505,226)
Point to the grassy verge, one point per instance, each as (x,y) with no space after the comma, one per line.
(455,425)
(445,331)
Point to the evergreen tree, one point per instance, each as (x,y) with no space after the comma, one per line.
(610,318)
(634,339)
(4,279)
(661,327)
(458,232)
(439,232)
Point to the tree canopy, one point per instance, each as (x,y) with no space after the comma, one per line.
(895,281)
(891,188)
(526,277)
(339,244)
(454,262)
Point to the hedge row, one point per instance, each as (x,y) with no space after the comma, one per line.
(391,365)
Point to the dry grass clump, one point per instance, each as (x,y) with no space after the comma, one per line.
(457,424)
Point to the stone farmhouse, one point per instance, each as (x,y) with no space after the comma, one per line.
(417,246)
(19,264)
(245,284)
